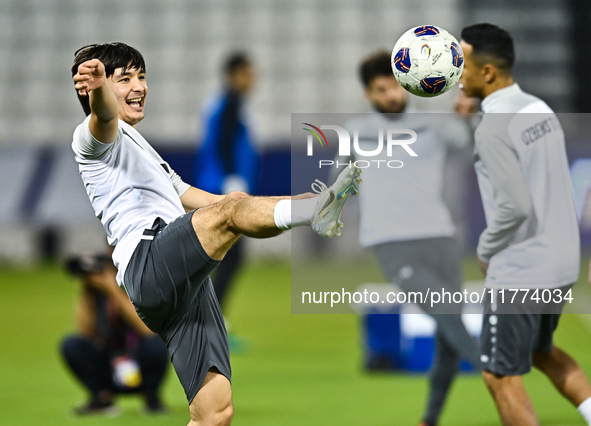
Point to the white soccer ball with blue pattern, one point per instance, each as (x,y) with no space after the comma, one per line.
(427,61)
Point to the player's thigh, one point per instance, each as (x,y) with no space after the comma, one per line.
(444,256)
(429,263)
(214,226)
(414,266)
(213,403)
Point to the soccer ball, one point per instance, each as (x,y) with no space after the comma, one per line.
(427,61)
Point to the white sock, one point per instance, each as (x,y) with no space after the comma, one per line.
(585,410)
(292,213)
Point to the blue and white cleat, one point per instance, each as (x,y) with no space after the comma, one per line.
(326,220)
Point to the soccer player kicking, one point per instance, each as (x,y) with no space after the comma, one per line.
(531,242)
(164,255)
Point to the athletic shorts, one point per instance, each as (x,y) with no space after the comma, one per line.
(167,279)
(512,331)
(426,265)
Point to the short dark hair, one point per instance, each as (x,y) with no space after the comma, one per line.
(112,55)
(492,41)
(235,61)
(377,65)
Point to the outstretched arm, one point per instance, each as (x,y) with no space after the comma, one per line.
(91,81)
(106,283)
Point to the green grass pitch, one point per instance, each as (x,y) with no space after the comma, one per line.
(295,369)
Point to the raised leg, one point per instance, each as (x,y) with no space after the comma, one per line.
(219,226)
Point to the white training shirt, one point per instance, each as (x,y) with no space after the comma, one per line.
(405,203)
(532,234)
(129,186)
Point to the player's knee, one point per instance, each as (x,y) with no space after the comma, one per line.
(232,201)
(214,407)
(224,417)
(69,345)
(219,216)
(74,348)
(221,417)
(230,206)
(238,195)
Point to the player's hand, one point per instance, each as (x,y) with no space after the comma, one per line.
(102,281)
(91,75)
(482,265)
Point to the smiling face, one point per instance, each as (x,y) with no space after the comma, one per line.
(386,94)
(130,88)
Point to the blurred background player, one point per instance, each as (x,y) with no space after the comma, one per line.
(405,221)
(531,240)
(112,351)
(227,159)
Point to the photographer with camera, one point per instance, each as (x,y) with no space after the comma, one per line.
(113,351)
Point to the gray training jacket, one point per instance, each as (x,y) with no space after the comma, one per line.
(532,234)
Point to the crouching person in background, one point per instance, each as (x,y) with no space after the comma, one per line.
(113,352)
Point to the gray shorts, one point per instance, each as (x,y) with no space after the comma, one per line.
(424,265)
(511,332)
(167,279)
